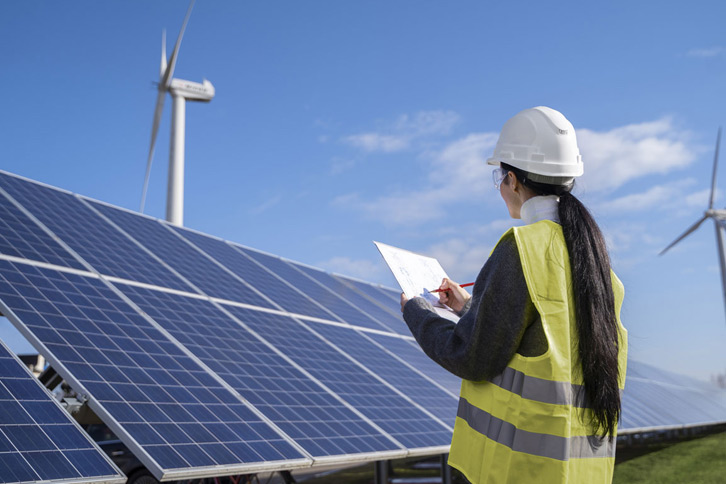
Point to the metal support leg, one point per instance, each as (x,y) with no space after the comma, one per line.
(445,469)
(381,472)
(287,477)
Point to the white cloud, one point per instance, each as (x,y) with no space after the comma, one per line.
(620,155)
(700,198)
(400,134)
(427,123)
(361,268)
(707,52)
(461,258)
(672,197)
(626,236)
(457,173)
(378,142)
(667,196)
(340,165)
(264,206)
(636,202)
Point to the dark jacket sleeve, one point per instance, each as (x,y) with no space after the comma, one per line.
(489,333)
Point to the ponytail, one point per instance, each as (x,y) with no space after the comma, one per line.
(597,325)
(596,321)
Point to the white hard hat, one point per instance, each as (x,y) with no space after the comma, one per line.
(542,142)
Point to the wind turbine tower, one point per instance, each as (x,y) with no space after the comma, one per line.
(719,221)
(181,91)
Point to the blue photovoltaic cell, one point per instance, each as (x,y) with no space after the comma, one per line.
(657,398)
(379,298)
(384,318)
(317,421)
(392,294)
(179,255)
(100,244)
(38,439)
(394,414)
(262,279)
(330,301)
(21,237)
(422,391)
(174,409)
(414,355)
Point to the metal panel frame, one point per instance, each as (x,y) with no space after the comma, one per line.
(119,479)
(118,429)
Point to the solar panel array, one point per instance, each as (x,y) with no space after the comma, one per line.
(656,399)
(209,358)
(39,442)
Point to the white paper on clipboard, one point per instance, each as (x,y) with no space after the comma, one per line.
(416,274)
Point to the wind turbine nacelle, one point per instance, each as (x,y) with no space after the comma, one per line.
(192,91)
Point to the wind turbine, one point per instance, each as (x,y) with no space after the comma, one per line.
(719,220)
(181,91)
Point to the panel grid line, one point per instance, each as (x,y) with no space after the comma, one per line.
(223,267)
(21,392)
(375,375)
(298,296)
(67,214)
(406,363)
(347,294)
(120,280)
(347,312)
(237,322)
(304,371)
(120,429)
(353,382)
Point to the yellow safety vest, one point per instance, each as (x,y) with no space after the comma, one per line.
(528,425)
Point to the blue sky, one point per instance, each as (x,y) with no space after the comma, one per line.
(338,123)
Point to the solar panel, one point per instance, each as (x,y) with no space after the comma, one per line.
(21,237)
(106,249)
(331,301)
(39,441)
(383,318)
(283,294)
(389,300)
(409,351)
(399,417)
(317,420)
(211,278)
(419,388)
(180,420)
(210,358)
(658,399)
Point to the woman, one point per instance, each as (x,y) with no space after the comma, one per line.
(539,345)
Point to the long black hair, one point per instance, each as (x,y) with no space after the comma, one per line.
(597,324)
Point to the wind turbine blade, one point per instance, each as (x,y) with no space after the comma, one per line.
(162,70)
(688,232)
(166,81)
(154,131)
(715,163)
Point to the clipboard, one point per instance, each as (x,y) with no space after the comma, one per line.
(416,274)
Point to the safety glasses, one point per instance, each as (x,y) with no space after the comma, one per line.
(498,176)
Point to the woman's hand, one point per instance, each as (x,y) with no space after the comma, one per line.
(453,295)
(404,300)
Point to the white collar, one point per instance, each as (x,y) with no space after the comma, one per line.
(540,208)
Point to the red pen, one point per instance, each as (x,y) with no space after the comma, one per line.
(463,285)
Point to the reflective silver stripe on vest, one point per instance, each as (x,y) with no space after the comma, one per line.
(541,390)
(543,445)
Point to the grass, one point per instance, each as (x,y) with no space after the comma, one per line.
(701,461)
